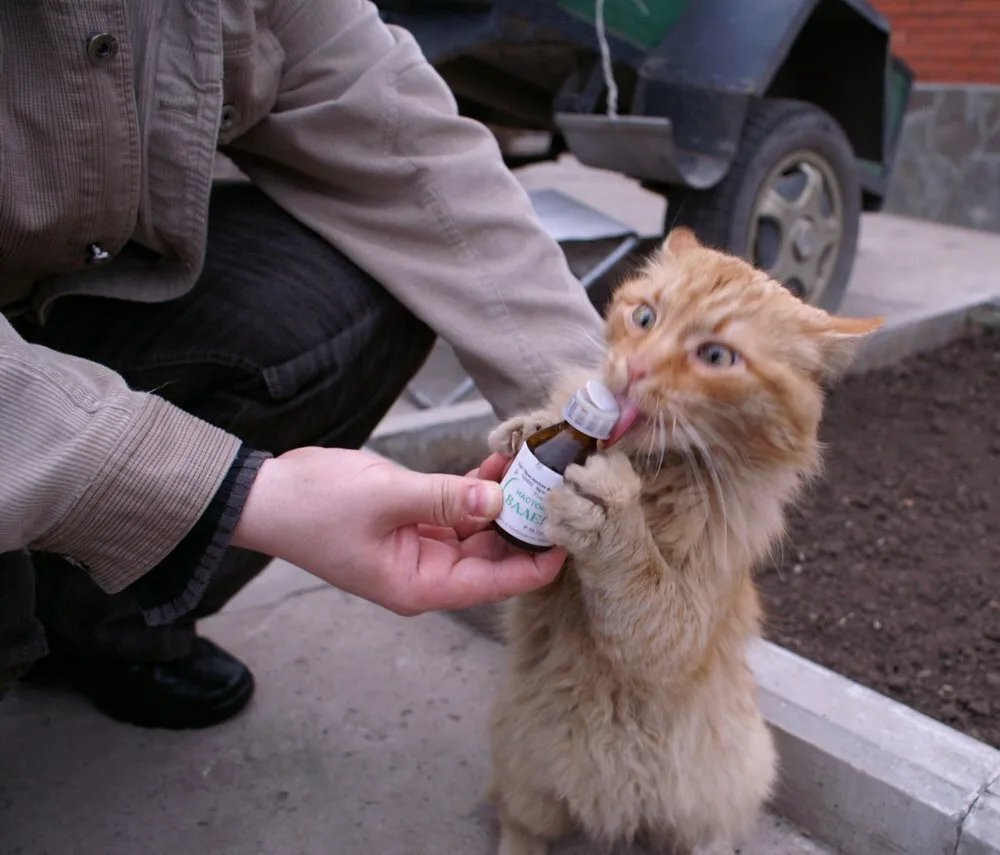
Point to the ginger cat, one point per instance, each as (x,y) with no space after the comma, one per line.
(628,710)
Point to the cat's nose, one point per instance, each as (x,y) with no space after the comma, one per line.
(637,369)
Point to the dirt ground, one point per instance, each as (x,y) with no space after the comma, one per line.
(891,571)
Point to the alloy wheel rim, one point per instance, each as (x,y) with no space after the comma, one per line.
(797,224)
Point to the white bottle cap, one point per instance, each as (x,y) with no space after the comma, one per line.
(593,410)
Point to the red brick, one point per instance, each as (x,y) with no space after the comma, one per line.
(947,40)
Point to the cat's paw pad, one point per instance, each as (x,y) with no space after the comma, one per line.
(508,437)
(592,501)
(573,521)
(607,478)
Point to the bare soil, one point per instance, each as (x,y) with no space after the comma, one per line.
(891,571)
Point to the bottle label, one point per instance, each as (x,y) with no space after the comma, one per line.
(525,488)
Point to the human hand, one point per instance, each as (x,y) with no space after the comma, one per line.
(408,541)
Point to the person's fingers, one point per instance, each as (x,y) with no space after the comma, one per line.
(441,500)
(523,573)
(487,544)
(455,534)
(437,532)
(493,467)
(550,563)
(472,528)
(473,580)
(484,581)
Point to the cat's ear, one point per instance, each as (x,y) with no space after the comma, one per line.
(680,239)
(839,339)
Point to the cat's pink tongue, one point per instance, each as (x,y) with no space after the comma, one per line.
(629,414)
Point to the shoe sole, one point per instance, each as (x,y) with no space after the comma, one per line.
(160,718)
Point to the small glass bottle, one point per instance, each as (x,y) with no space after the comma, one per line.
(589,416)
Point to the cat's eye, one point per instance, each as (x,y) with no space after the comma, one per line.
(643,316)
(717,355)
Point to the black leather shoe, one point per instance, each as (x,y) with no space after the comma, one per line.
(206,687)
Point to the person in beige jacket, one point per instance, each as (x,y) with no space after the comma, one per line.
(163,334)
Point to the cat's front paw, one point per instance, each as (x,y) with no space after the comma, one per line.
(597,505)
(508,437)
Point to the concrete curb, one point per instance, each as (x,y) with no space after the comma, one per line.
(445,439)
(915,333)
(980,835)
(870,775)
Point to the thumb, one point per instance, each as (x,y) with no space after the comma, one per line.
(447,500)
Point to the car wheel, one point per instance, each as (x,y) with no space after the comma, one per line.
(790,203)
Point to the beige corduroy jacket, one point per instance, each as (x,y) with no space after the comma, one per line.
(111,114)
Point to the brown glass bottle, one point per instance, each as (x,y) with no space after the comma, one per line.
(555,447)
(539,465)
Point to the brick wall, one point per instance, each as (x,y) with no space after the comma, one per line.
(947,41)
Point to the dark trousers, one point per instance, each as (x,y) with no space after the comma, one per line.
(283,342)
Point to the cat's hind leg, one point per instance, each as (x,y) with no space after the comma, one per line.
(535,822)
(515,840)
(649,843)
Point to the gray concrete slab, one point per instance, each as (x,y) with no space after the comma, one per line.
(980,834)
(871,775)
(279,581)
(367,735)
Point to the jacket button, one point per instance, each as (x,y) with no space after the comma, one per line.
(97,254)
(102,47)
(228,117)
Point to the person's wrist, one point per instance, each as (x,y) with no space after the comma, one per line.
(251,528)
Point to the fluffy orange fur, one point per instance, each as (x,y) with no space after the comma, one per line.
(628,710)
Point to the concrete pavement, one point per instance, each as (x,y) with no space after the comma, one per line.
(367,735)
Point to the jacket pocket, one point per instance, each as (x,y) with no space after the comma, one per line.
(252,62)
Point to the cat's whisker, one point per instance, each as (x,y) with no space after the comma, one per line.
(691,467)
(729,412)
(723,446)
(661,428)
(719,444)
(738,526)
(724,452)
(641,457)
(720,410)
(652,439)
(655,439)
(712,471)
(779,560)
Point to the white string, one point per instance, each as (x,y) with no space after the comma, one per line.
(609,76)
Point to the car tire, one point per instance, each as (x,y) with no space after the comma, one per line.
(790,202)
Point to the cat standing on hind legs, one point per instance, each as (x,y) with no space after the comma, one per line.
(628,708)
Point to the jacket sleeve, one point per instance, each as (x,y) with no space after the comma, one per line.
(365,146)
(110,478)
